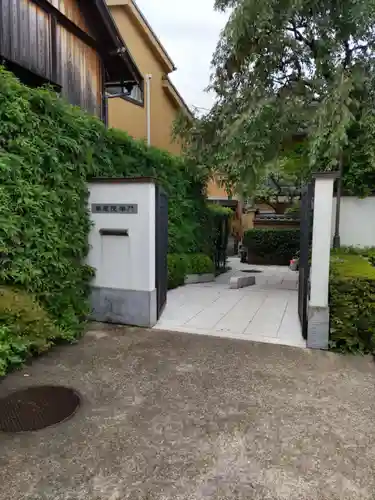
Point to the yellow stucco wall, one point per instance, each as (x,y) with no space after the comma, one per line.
(215,190)
(248,220)
(130,117)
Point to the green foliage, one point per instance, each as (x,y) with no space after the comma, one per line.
(179,265)
(370,255)
(367,252)
(43,237)
(352,303)
(219,211)
(294,210)
(272,246)
(218,231)
(48,150)
(282,178)
(199,263)
(360,155)
(25,329)
(286,69)
(176,270)
(353,250)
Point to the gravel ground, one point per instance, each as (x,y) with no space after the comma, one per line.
(176,416)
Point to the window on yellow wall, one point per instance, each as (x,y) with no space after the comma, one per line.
(131,93)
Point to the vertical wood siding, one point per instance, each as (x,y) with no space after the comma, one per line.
(25,38)
(79,72)
(71,10)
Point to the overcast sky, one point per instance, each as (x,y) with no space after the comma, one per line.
(189,31)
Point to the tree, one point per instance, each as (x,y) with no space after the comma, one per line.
(284,68)
(282,179)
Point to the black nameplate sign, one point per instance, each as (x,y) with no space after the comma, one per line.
(111,208)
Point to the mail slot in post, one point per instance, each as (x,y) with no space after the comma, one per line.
(114,232)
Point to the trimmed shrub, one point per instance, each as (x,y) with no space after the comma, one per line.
(48,150)
(176,270)
(272,246)
(25,329)
(369,253)
(219,211)
(352,303)
(179,265)
(198,263)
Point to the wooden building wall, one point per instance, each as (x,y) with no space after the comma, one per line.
(25,36)
(29,37)
(71,10)
(79,71)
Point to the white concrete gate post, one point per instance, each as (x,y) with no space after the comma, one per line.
(318,323)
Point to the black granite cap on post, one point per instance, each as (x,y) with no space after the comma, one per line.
(334,174)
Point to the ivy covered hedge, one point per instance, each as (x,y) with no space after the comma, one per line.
(271,246)
(352,303)
(176,270)
(48,150)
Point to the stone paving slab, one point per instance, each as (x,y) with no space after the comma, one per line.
(169,416)
(265,312)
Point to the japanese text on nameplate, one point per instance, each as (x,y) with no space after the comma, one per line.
(111,208)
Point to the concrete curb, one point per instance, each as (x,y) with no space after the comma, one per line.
(190,279)
(241,281)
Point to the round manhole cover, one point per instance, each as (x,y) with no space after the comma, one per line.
(37,407)
(251,271)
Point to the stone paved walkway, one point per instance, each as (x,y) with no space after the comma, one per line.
(266,312)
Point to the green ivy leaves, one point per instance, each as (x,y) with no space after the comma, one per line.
(48,151)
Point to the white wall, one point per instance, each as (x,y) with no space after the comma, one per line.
(124,262)
(321,241)
(357,221)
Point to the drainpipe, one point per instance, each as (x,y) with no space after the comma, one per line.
(148,108)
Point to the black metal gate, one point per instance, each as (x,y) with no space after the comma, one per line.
(161,250)
(304,257)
